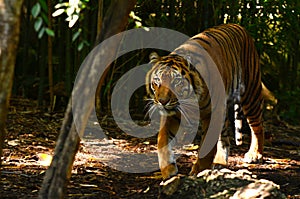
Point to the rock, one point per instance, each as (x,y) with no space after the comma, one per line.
(222,183)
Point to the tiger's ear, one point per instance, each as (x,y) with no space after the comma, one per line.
(188,58)
(154,57)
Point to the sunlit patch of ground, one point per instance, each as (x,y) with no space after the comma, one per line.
(31,140)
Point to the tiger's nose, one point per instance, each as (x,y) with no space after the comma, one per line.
(163,101)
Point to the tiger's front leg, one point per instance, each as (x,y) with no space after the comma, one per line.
(205,162)
(167,163)
(218,155)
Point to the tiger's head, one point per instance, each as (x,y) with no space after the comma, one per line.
(169,84)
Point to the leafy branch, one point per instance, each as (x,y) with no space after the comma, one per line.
(41,25)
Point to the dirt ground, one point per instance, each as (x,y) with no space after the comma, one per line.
(31,140)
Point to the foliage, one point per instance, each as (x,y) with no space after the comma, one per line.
(290,106)
(39,12)
(275,26)
(72,9)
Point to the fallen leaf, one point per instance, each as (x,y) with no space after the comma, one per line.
(44,159)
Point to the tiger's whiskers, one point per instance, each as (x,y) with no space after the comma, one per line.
(187,108)
(150,108)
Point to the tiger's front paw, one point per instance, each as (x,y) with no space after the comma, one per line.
(200,166)
(253,157)
(169,171)
(195,169)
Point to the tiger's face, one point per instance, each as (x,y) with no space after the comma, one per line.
(168,84)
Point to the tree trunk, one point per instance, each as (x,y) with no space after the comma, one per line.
(100,16)
(50,64)
(68,62)
(59,172)
(113,23)
(9,37)
(116,19)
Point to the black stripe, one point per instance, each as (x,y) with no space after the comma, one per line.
(202,39)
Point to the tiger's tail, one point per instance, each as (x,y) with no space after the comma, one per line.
(238,112)
(238,123)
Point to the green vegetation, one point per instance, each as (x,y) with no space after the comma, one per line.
(73,26)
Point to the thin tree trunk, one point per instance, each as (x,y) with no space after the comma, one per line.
(9,37)
(294,64)
(42,70)
(50,64)
(59,172)
(68,62)
(100,16)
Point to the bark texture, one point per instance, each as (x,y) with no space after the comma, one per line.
(9,37)
(59,172)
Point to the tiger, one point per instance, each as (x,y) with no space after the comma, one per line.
(174,76)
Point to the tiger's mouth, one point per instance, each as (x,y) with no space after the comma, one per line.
(165,109)
(185,107)
(168,109)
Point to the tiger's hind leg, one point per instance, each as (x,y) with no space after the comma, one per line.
(223,146)
(255,153)
(254,118)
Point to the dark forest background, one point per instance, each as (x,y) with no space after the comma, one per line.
(56,36)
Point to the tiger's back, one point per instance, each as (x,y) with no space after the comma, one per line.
(235,55)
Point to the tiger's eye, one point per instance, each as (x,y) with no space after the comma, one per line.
(156,80)
(177,81)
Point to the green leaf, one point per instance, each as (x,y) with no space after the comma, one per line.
(36,9)
(41,33)
(38,24)
(80,46)
(43,4)
(50,32)
(86,43)
(76,35)
(45,18)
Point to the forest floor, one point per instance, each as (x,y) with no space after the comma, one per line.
(32,136)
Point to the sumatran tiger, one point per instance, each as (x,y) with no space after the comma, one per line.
(174,76)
